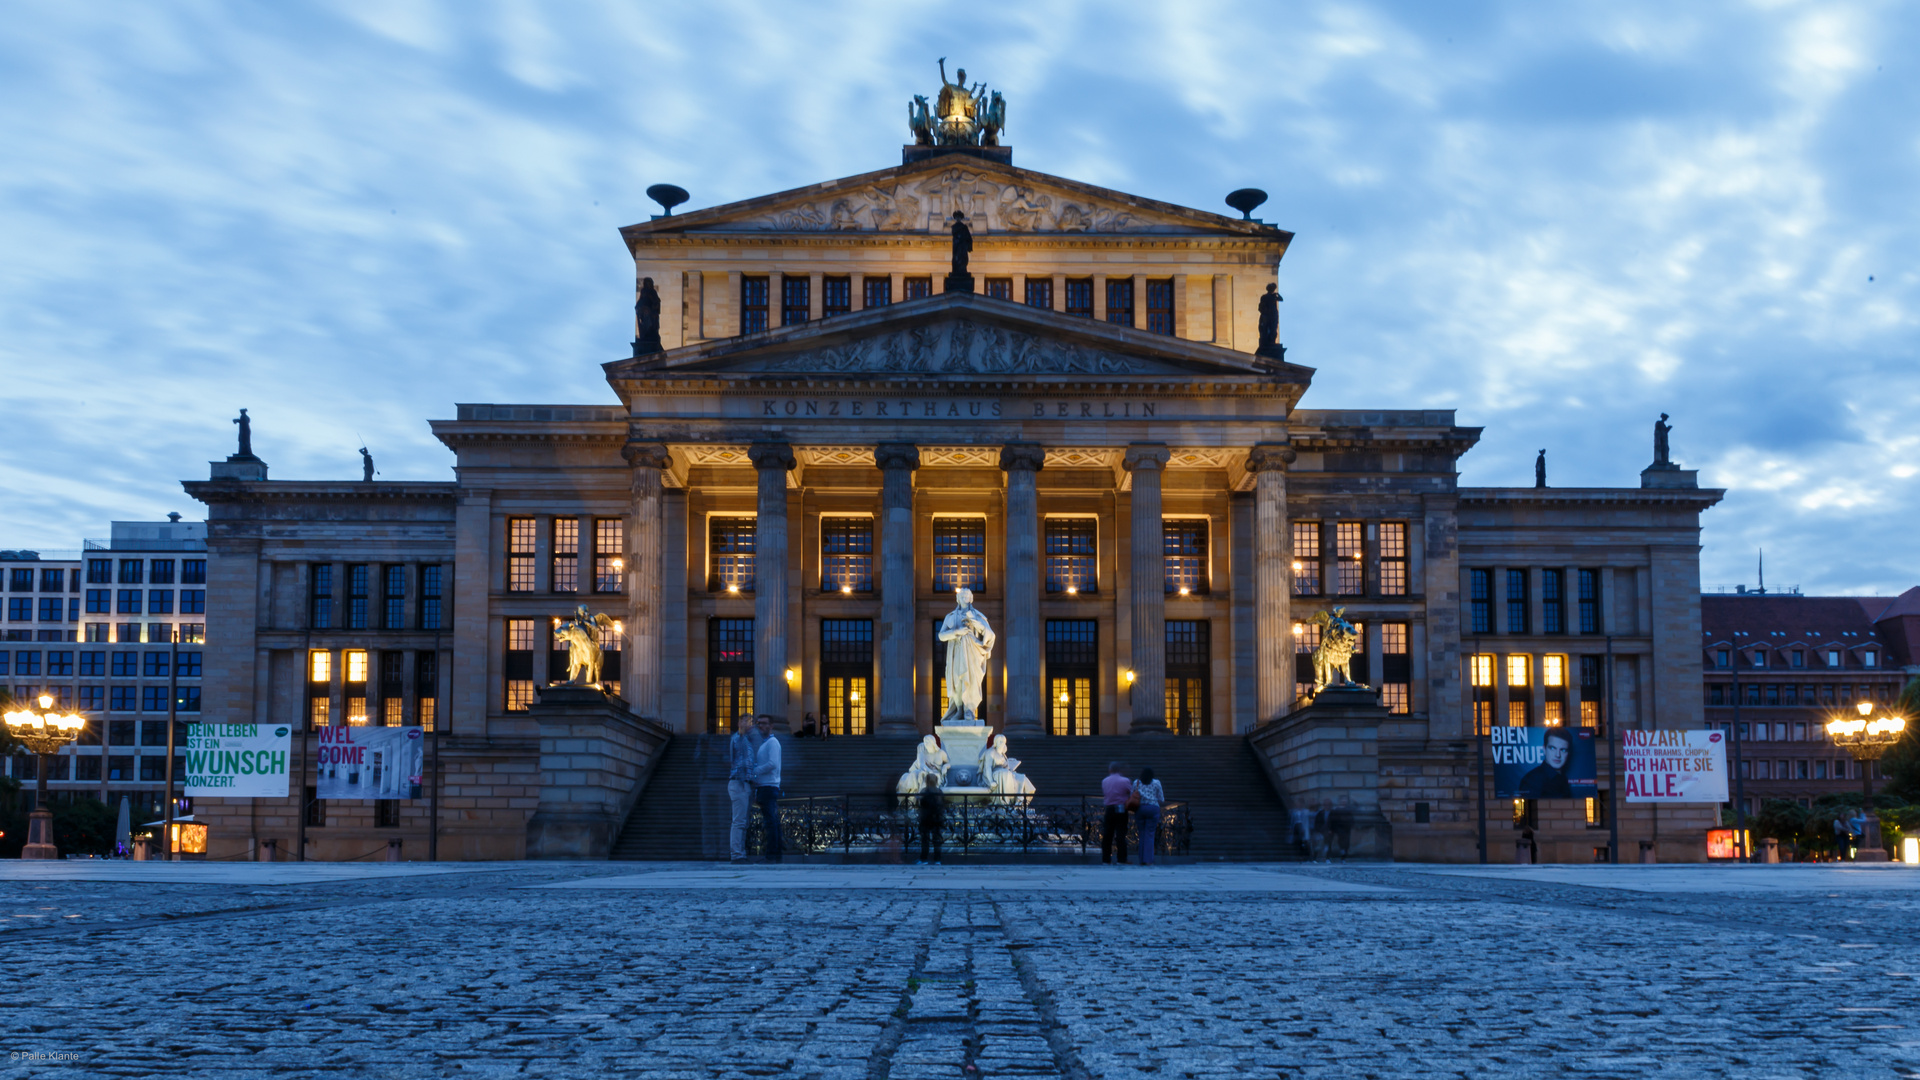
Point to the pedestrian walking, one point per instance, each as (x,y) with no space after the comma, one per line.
(1322,830)
(933,821)
(1340,827)
(1148,791)
(1116,791)
(766,785)
(742,752)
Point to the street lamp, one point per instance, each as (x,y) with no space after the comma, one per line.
(1867,737)
(44,732)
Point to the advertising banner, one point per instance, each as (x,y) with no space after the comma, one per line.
(370,762)
(238,761)
(1543,763)
(1674,766)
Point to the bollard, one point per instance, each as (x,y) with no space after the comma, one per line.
(139,851)
(1523,852)
(1770,850)
(393,851)
(1647,853)
(265,854)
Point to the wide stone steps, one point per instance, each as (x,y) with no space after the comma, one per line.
(1235,812)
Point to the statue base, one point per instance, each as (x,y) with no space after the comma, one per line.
(959,283)
(913,152)
(963,744)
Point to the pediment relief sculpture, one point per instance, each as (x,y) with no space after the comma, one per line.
(959,347)
(920,204)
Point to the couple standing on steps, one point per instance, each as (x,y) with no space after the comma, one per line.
(753,777)
(1142,798)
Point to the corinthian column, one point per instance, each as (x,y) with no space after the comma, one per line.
(897,462)
(640,657)
(1147,461)
(1022,643)
(1272,582)
(770,583)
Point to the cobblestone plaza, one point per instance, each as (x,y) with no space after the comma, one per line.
(686,970)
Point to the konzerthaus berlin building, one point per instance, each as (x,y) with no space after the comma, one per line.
(779,503)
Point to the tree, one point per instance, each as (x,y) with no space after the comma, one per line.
(1901,765)
(1783,820)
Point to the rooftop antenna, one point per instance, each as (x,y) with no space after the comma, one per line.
(668,196)
(1763,571)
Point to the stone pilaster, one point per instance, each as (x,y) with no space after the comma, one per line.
(770,555)
(1021,646)
(642,650)
(1147,461)
(896,462)
(1272,581)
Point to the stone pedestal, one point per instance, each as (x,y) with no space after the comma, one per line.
(959,283)
(40,833)
(593,756)
(1329,752)
(963,745)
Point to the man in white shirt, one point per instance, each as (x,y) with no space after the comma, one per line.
(766,785)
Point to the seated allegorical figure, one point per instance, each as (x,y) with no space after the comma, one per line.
(999,773)
(929,767)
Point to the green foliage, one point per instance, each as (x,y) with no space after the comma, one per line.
(82,827)
(1780,819)
(1901,765)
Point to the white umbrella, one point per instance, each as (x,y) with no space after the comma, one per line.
(123,832)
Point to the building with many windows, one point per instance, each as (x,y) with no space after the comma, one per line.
(1780,665)
(127,652)
(835,435)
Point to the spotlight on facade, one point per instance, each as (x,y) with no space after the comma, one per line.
(1183,590)
(733,588)
(792,674)
(1130,676)
(1072,591)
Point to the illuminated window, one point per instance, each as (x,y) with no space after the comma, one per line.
(426,687)
(1306,638)
(609,554)
(356,665)
(959,553)
(1480,677)
(1553,671)
(1596,812)
(520,570)
(1517,669)
(357,712)
(319,666)
(846,554)
(1072,545)
(1349,552)
(1188,668)
(1306,558)
(565,577)
(730,554)
(753,304)
(846,674)
(519,695)
(1396,664)
(1073,663)
(729,672)
(1185,544)
(518,665)
(317,711)
(1393,558)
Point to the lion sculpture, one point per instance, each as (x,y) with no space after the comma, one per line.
(1334,655)
(582,635)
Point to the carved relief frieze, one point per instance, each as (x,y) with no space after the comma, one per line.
(922,203)
(960,456)
(834,455)
(960,346)
(1071,458)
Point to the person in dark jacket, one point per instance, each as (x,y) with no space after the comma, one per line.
(933,821)
(1548,780)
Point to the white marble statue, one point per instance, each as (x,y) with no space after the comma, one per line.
(969,642)
(999,773)
(929,768)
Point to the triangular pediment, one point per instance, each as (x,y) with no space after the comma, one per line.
(921,197)
(958,335)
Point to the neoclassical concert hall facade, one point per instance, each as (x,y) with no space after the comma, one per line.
(779,504)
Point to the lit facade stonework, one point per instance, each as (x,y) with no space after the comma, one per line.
(778,505)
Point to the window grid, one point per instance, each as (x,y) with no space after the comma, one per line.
(876,291)
(1480,599)
(1120,302)
(1349,553)
(836,296)
(730,554)
(1072,555)
(1040,292)
(1393,558)
(565,577)
(609,546)
(430,577)
(959,553)
(1184,541)
(1553,612)
(1073,663)
(1516,601)
(320,606)
(1306,558)
(393,597)
(729,672)
(1071,704)
(846,641)
(1080,297)
(1396,662)
(520,571)
(796,295)
(999,288)
(846,554)
(918,288)
(753,304)
(357,587)
(1160,307)
(1306,638)
(1590,601)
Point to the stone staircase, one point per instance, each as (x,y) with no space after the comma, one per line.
(1235,813)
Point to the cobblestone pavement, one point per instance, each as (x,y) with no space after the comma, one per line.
(590,971)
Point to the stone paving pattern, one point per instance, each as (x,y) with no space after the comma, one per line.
(480,975)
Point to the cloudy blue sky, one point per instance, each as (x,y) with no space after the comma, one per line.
(1559,219)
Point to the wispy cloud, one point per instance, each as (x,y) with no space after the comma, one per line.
(1559,219)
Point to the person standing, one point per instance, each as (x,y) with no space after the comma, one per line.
(766,785)
(1115,790)
(1323,831)
(1148,815)
(933,821)
(1340,827)
(742,750)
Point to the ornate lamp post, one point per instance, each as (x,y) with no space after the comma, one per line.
(44,732)
(1866,738)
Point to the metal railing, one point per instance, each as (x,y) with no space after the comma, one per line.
(972,824)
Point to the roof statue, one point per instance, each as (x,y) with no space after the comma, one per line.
(961,115)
